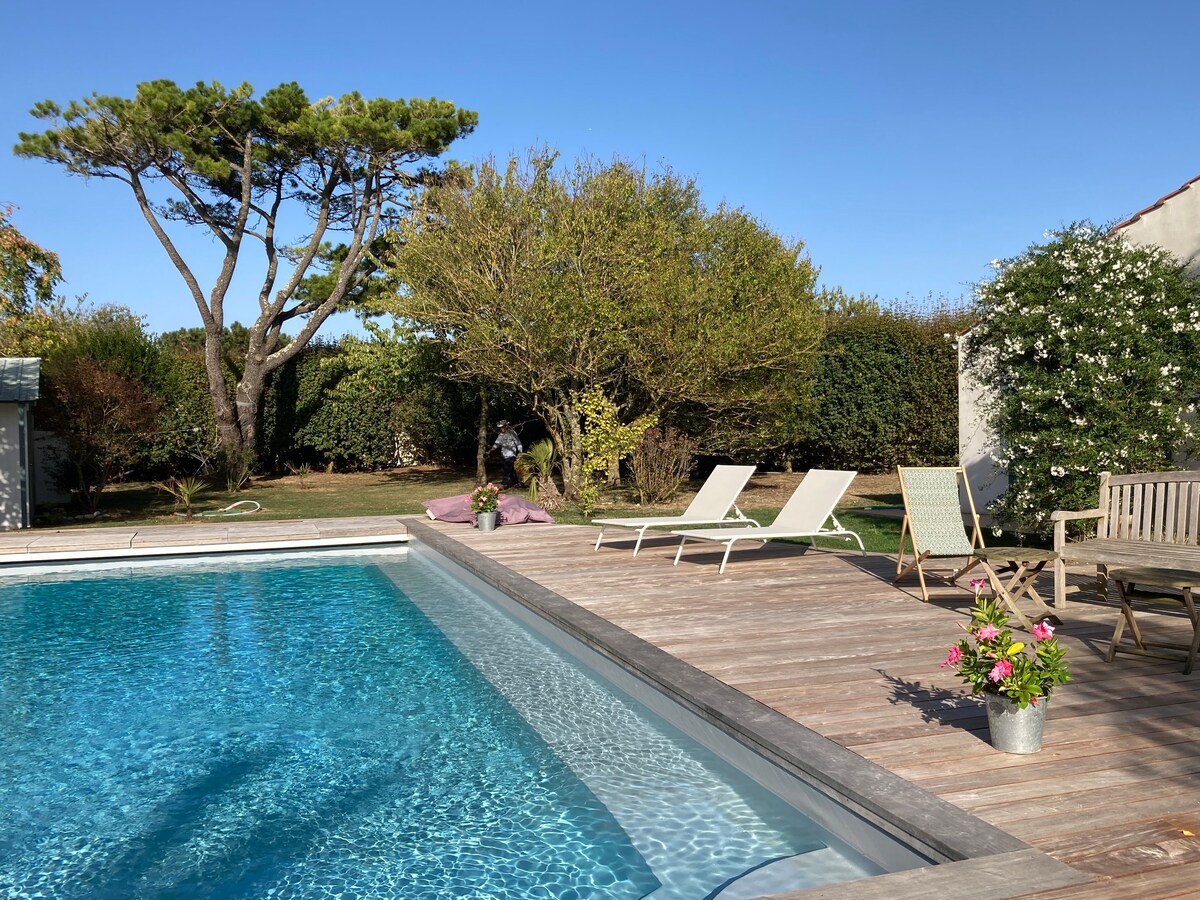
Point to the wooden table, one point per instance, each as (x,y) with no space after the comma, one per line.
(1127,579)
(1024,564)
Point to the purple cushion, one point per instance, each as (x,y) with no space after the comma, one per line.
(513,510)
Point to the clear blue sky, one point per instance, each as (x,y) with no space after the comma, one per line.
(906,143)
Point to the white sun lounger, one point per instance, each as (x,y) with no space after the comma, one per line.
(804,515)
(710,506)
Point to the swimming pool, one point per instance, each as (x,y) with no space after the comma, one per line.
(360,726)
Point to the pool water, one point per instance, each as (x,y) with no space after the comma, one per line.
(358,727)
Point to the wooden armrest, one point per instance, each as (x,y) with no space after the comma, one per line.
(1064,515)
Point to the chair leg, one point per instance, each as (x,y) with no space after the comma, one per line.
(900,555)
(641,534)
(915,564)
(599,538)
(971,563)
(679,552)
(1060,583)
(725,558)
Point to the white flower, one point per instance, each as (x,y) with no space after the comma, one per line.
(1058,471)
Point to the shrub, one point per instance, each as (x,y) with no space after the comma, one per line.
(886,391)
(1092,348)
(537,464)
(361,404)
(105,420)
(661,462)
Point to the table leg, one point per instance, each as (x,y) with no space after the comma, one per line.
(1191,609)
(1024,577)
(999,590)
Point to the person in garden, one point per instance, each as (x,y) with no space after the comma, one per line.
(510,447)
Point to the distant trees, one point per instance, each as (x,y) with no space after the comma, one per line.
(548,282)
(232,164)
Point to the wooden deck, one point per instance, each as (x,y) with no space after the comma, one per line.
(826,639)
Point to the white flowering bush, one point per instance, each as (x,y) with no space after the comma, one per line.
(1092,349)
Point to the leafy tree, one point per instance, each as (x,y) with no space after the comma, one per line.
(31,316)
(547,283)
(28,273)
(234,165)
(1092,349)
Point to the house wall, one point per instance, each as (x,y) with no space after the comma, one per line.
(10,468)
(987,478)
(1174,223)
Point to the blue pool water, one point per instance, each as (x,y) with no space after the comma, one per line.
(357,727)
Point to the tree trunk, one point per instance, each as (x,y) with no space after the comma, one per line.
(481,446)
(249,396)
(229,433)
(562,421)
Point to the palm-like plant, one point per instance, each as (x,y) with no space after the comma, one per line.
(536,465)
(183,490)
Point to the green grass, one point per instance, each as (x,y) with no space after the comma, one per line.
(400,492)
(315,496)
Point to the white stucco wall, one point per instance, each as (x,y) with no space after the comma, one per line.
(10,468)
(976,443)
(1173,223)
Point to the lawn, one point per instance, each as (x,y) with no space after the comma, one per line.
(400,492)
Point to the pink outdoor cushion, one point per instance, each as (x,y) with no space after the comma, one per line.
(513,510)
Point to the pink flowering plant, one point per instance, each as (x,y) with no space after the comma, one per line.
(991,662)
(485,498)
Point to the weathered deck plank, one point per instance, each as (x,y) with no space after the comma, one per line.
(825,638)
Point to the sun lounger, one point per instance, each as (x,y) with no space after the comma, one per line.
(710,506)
(804,515)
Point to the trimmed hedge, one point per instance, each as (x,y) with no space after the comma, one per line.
(359,404)
(886,391)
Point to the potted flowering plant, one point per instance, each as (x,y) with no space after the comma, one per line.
(485,502)
(1015,682)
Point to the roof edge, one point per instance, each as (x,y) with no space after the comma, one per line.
(1155,205)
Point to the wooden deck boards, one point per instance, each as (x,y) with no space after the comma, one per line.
(825,638)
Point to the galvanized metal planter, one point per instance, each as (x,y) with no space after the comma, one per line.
(1015,730)
(486,521)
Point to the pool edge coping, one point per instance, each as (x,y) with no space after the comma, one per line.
(934,827)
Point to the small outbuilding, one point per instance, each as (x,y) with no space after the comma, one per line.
(18,392)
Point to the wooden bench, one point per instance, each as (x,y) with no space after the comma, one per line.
(1148,520)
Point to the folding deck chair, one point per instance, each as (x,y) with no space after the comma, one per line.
(710,506)
(804,515)
(933,521)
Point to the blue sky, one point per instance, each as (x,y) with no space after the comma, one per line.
(906,143)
